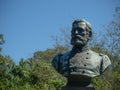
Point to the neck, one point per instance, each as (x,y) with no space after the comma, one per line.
(80,48)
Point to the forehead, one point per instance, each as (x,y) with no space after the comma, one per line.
(79,24)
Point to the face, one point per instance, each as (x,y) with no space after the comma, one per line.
(79,35)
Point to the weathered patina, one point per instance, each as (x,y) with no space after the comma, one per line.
(80,64)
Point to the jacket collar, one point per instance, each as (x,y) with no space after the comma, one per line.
(80,49)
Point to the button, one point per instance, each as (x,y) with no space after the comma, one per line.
(85,65)
(83,71)
(71,70)
(86,57)
(87,53)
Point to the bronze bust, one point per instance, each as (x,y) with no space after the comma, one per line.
(80,64)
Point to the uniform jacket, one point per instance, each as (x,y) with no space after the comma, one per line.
(88,63)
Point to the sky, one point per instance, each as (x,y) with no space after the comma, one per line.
(27,25)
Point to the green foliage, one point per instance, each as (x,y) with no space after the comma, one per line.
(116,80)
(41,76)
(101,84)
(49,53)
(37,73)
(6,66)
(2,41)
(46,77)
(110,80)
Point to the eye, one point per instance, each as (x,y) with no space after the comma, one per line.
(77,31)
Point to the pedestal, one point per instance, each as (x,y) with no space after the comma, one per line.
(77,88)
(79,82)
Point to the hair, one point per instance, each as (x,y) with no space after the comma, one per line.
(89,26)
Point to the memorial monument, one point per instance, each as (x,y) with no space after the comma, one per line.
(80,64)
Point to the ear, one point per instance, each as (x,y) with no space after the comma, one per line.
(90,35)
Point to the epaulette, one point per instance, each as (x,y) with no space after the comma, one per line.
(100,54)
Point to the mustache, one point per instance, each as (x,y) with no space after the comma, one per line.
(78,37)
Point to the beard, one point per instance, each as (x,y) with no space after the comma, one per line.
(79,40)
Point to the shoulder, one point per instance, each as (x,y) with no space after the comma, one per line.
(62,55)
(105,61)
(103,56)
(66,54)
(94,54)
(58,59)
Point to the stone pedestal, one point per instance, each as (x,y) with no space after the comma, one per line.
(78,82)
(77,88)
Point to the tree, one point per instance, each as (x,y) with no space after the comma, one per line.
(63,39)
(112,36)
(2,41)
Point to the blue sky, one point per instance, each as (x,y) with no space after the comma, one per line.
(27,25)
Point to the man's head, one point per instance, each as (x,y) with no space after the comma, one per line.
(81,32)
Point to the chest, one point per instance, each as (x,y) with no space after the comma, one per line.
(85,60)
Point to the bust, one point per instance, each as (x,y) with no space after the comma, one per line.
(80,64)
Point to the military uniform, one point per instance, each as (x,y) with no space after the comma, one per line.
(87,63)
(80,67)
